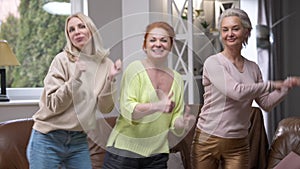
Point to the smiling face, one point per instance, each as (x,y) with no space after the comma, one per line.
(78,32)
(158,43)
(232,32)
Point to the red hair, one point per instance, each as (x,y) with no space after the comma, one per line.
(168,28)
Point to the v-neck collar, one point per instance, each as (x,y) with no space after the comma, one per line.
(150,82)
(231,64)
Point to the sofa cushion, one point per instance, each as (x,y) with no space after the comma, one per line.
(291,161)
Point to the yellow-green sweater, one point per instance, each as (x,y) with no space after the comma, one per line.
(146,136)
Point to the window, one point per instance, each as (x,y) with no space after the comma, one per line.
(35,36)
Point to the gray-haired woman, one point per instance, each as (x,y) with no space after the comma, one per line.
(231,83)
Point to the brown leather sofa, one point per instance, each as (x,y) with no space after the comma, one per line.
(14,137)
(183,147)
(285,140)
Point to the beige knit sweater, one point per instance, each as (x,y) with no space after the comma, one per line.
(70,104)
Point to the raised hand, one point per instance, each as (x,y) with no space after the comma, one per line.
(186,121)
(297,80)
(292,81)
(115,69)
(165,104)
(80,67)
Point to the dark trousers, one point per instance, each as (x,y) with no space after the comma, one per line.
(114,161)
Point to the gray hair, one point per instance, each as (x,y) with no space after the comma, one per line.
(245,20)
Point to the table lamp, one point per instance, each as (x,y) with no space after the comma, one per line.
(7,58)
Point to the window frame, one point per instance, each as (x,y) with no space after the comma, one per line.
(34,93)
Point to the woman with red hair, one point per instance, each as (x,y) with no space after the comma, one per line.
(151,103)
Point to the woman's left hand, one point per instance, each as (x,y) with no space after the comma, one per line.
(292,81)
(187,121)
(115,69)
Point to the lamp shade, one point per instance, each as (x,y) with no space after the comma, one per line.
(7,57)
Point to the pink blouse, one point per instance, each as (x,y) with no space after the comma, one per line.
(228,96)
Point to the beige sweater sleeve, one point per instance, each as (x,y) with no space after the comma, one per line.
(58,84)
(105,97)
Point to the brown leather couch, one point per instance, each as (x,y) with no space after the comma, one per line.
(14,137)
(285,140)
(183,147)
(15,134)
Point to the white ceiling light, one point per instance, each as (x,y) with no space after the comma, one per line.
(58,8)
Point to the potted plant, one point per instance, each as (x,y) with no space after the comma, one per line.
(205,26)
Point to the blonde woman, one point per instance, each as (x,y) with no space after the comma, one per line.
(59,132)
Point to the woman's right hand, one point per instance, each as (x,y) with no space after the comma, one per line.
(80,67)
(165,104)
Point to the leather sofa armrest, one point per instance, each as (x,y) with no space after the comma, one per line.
(286,139)
(14,137)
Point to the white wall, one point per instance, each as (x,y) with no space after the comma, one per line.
(107,16)
(135,19)
(17,109)
(122,24)
(250,6)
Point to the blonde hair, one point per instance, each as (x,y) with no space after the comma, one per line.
(96,40)
(246,23)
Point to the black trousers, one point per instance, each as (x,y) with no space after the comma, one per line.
(115,161)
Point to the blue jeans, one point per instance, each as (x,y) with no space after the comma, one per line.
(58,148)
